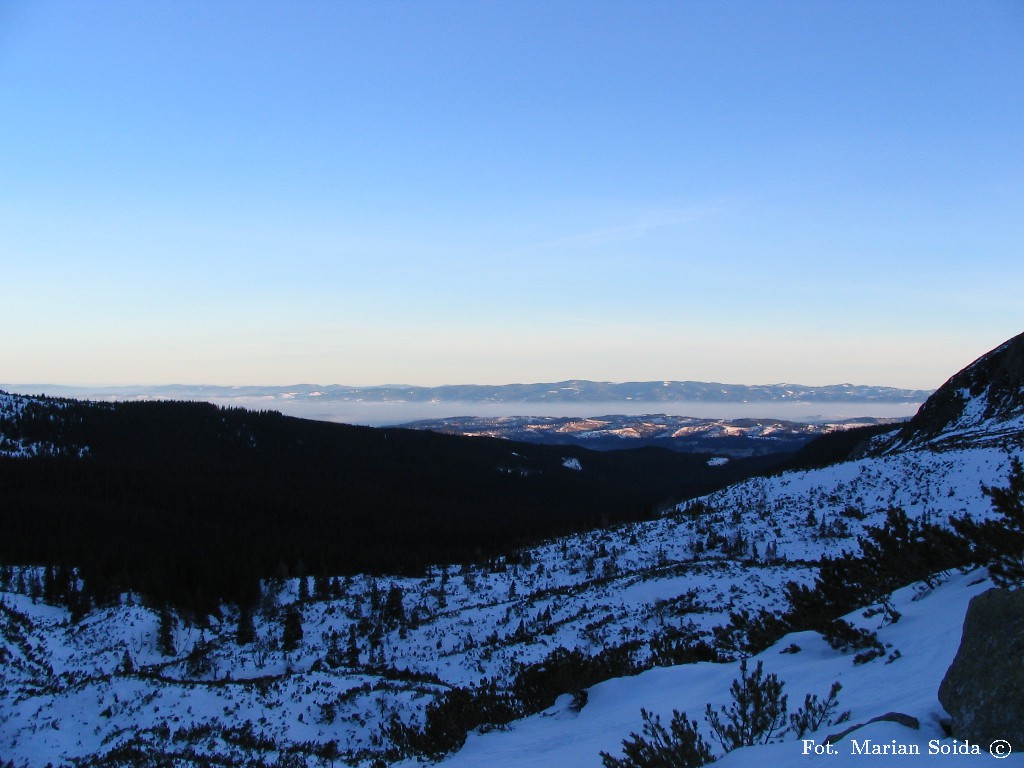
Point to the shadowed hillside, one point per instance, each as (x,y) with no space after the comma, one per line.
(190,503)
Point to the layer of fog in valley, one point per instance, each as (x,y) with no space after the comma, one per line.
(383,414)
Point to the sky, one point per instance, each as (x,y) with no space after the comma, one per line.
(440,192)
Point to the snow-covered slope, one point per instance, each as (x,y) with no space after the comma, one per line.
(69,693)
(375,651)
(12,410)
(982,403)
(926,636)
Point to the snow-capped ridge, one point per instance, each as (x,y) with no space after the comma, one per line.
(983,402)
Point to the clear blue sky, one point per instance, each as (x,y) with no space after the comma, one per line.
(488,192)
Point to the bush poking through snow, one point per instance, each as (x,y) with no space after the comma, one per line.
(757,712)
(537,686)
(843,636)
(448,719)
(897,553)
(816,713)
(680,746)
(748,633)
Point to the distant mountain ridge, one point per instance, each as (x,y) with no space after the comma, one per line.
(571,391)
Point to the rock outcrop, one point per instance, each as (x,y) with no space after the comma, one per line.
(988,391)
(983,690)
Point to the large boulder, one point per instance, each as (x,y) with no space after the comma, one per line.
(983,690)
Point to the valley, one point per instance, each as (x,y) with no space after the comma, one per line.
(558,384)
(575,634)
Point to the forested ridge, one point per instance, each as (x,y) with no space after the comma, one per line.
(192,504)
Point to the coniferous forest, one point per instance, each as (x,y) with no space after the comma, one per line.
(190,504)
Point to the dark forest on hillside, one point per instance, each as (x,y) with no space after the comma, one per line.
(192,504)
(834,447)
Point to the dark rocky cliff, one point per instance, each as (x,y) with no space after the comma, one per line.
(991,389)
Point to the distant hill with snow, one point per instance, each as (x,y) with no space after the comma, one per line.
(729,437)
(572,391)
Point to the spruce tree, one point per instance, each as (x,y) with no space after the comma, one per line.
(394,608)
(165,633)
(291,631)
(321,587)
(245,633)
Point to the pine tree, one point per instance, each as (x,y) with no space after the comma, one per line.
(165,633)
(35,587)
(757,712)
(375,600)
(816,713)
(680,746)
(78,604)
(51,590)
(334,656)
(198,663)
(352,648)
(245,633)
(1000,542)
(394,609)
(321,587)
(291,631)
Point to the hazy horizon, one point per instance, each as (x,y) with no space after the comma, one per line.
(385,414)
(379,414)
(451,190)
(393,412)
(400,384)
